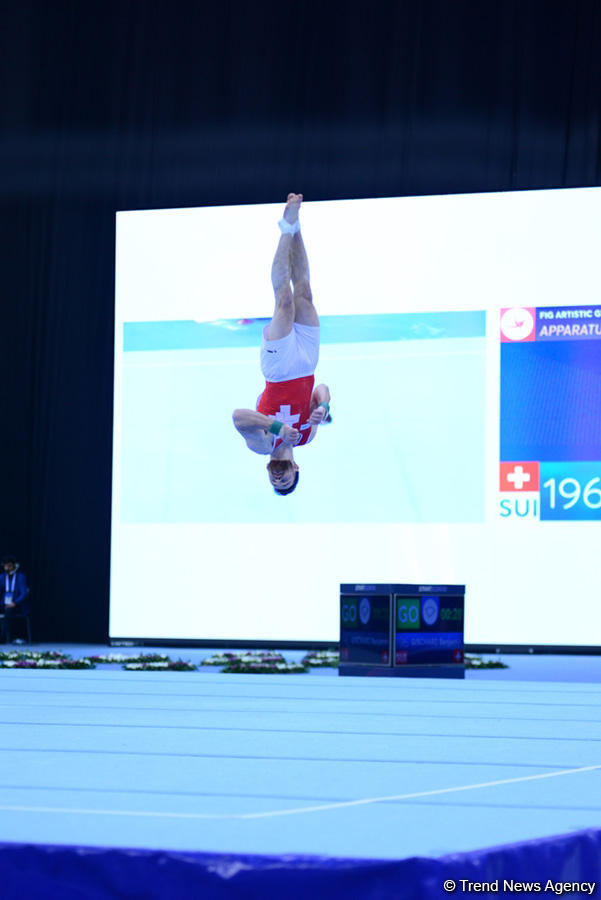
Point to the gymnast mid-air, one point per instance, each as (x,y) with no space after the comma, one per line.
(290,409)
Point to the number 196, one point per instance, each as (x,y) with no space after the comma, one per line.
(571,490)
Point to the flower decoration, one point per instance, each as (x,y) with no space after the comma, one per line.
(322,659)
(164,665)
(476,662)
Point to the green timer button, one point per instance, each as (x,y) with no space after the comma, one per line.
(407,613)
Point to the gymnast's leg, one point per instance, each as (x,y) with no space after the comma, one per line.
(281,272)
(304,311)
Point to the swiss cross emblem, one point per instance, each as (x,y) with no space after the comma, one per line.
(285,415)
(519,476)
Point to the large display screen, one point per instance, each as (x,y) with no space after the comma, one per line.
(460,341)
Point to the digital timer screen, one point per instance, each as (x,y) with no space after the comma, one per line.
(365,629)
(428,629)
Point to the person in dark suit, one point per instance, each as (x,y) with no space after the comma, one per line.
(14,593)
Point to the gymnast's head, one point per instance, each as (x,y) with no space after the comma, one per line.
(283,475)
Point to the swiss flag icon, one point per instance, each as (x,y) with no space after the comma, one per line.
(519,476)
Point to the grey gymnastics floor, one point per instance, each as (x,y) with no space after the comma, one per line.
(307,764)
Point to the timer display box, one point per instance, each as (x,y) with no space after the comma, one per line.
(398,630)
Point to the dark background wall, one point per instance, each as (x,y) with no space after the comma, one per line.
(150,103)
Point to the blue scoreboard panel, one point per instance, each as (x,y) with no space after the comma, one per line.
(400,630)
(550,449)
(428,628)
(365,628)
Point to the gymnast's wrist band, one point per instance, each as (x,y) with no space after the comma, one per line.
(289,227)
(276,427)
(325,405)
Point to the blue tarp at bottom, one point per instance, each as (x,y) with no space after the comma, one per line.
(551,866)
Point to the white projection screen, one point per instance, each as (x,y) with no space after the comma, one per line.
(461,342)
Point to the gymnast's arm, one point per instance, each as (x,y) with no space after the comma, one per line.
(254,428)
(320,396)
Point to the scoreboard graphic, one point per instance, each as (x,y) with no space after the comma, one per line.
(550,429)
(428,629)
(365,628)
(400,630)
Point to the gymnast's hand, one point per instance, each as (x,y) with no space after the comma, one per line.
(318,415)
(289,436)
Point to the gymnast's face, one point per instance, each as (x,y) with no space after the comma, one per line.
(282,473)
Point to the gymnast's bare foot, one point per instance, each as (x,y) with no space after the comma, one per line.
(292,207)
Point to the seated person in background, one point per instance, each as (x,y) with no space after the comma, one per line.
(13,593)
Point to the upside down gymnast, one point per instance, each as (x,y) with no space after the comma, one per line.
(291,408)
